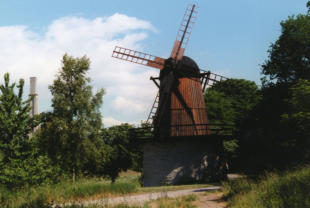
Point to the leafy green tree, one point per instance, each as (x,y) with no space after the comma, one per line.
(15,122)
(231,102)
(70,133)
(289,56)
(219,107)
(124,152)
(277,121)
(296,124)
(281,135)
(300,96)
(15,126)
(20,163)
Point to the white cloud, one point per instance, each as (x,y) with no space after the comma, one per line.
(127,105)
(24,53)
(110,121)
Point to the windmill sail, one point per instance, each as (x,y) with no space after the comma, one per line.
(184,32)
(138,57)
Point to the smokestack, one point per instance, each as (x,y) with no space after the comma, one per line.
(33,92)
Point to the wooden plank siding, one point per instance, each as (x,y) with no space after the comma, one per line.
(188,111)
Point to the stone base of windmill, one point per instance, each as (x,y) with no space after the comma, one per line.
(183,161)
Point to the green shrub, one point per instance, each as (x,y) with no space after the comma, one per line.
(290,189)
(238,186)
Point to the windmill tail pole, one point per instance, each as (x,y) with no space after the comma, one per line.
(33,93)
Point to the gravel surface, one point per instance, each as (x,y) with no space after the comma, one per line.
(140,198)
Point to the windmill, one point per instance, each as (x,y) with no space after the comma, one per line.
(179,108)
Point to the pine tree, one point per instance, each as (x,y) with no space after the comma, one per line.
(15,126)
(70,133)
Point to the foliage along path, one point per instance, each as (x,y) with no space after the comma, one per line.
(211,200)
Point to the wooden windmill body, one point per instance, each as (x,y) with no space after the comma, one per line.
(180,109)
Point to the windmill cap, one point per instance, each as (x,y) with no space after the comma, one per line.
(189,66)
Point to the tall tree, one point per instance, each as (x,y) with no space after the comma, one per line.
(231,102)
(123,153)
(289,56)
(20,162)
(15,126)
(15,122)
(72,129)
(296,123)
(278,122)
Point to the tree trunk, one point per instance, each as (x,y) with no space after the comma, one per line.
(73,174)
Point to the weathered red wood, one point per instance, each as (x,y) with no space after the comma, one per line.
(177,53)
(138,57)
(188,118)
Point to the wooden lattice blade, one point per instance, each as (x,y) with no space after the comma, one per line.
(208,78)
(177,52)
(184,32)
(138,57)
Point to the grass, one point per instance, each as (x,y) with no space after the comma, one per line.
(87,188)
(290,189)
(44,196)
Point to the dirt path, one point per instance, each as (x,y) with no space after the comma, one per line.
(211,200)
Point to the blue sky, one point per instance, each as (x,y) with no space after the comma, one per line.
(230,38)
